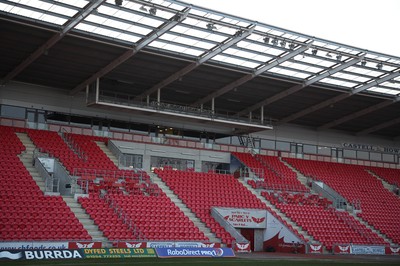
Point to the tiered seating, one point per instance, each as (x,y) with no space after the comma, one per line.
(392,176)
(157,217)
(324,223)
(275,174)
(380,208)
(26,213)
(108,221)
(201,191)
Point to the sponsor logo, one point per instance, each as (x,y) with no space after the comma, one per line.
(88,245)
(258,220)
(160,244)
(11,256)
(364,250)
(316,248)
(194,252)
(395,250)
(33,245)
(52,254)
(242,247)
(134,245)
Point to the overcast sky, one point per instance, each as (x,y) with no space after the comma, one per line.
(368,24)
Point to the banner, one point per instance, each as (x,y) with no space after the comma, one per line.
(315,248)
(244,218)
(132,244)
(95,253)
(278,237)
(367,250)
(242,248)
(41,254)
(194,252)
(84,244)
(392,250)
(33,245)
(342,249)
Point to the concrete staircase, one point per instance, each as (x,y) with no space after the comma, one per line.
(107,151)
(85,219)
(370,227)
(277,211)
(27,159)
(207,232)
(300,176)
(384,183)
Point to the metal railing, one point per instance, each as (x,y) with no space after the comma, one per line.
(327,192)
(52,184)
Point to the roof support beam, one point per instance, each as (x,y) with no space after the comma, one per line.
(250,76)
(379,127)
(52,41)
(358,114)
(315,108)
(338,98)
(375,82)
(298,87)
(131,52)
(205,57)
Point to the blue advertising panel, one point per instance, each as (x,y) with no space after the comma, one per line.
(195,252)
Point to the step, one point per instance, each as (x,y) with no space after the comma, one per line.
(174,198)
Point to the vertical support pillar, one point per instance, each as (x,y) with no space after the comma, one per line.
(262,114)
(158,95)
(97,90)
(213,105)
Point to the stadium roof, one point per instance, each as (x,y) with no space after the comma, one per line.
(192,56)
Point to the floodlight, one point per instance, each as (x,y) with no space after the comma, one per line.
(338,57)
(379,66)
(363,62)
(314,51)
(283,43)
(275,41)
(211,26)
(266,39)
(143,8)
(118,2)
(328,54)
(153,11)
(291,46)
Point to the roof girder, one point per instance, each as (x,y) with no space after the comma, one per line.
(298,87)
(379,127)
(208,55)
(53,40)
(250,76)
(338,98)
(358,114)
(129,53)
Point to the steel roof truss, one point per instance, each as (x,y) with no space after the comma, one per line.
(53,40)
(129,53)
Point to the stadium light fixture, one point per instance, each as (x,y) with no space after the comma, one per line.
(275,41)
(338,57)
(153,11)
(363,62)
(143,8)
(379,66)
(314,51)
(283,43)
(211,26)
(266,39)
(291,46)
(328,54)
(118,2)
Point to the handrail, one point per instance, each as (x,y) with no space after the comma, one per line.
(228,227)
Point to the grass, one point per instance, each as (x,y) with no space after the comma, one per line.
(201,262)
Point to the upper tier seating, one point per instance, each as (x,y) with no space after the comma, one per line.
(392,176)
(327,225)
(380,208)
(26,213)
(276,175)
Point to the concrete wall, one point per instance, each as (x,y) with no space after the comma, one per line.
(149,150)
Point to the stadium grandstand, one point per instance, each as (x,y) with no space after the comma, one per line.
(145,123)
